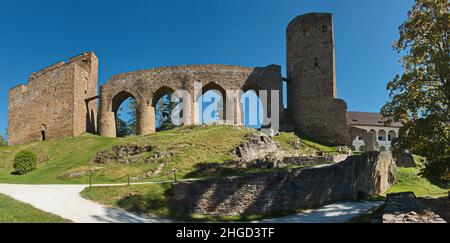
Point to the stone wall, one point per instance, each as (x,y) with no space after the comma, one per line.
(313,106)
(314,160)
(369,174)
(148,86)
(53,102)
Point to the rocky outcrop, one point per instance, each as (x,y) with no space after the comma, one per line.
(407,208)
(369,174)
(122,154)
(255,147)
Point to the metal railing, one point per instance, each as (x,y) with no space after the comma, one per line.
(128,177)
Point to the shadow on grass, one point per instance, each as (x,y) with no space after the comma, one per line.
(438,173)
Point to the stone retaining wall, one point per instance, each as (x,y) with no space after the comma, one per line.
(369,174)
(314,160)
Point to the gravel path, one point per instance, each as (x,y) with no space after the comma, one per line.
(65,201)
(333,213)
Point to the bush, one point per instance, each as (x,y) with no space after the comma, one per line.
(24,162)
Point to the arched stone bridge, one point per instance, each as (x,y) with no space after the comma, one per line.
(148,86)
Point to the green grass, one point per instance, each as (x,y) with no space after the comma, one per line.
(188,146)
(12,211)
(307,146)
(150,200)
(409,179)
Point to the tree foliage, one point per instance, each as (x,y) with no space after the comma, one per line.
(127,128)
(420,97)
(25,162)
(3,141)
(164,109)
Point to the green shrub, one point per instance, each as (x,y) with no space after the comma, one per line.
(24,162)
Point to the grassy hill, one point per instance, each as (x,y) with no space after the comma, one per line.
(61,158)
(66,161)
(12,211)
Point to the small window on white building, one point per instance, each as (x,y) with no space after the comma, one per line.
(382,135)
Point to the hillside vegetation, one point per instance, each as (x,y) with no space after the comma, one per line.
(66,161)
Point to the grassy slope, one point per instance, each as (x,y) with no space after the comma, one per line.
(410,180)
(12,211)
(189,146)
(287,141)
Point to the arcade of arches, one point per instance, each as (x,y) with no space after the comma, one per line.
(147,87)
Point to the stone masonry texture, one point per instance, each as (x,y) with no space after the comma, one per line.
(358,176)
(52,104)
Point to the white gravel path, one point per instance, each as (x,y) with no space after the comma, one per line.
(65,201)
(333,213)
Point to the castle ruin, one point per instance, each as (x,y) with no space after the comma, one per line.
(61,100)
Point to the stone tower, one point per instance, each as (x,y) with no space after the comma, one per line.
(313,107)
(55,102)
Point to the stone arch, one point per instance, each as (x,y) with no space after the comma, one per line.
(370,142)
(43,132)
(373,134)
(117,101)
(145,85)
(156,97)
(382,135)
(213,86)
(119,98)
(260,110)
(392,135)
(250,86)
(159,93)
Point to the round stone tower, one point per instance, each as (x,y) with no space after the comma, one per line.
(313,107)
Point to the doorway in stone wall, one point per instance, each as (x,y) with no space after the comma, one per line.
(43,132)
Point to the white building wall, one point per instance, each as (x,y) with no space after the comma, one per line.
(384,137)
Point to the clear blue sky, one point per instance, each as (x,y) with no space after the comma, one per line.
(136,34)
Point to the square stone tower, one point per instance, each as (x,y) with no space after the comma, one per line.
(313,106)
(55,102)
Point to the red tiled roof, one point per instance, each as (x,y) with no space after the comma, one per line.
(369,119)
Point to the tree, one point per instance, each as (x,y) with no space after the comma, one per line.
(165,107)
(3,141)
(133,108)
(122,128)
(420,97)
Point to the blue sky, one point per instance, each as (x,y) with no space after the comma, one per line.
(136,34)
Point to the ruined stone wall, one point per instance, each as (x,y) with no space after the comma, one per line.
(369,174)
(147,86)
(313,106)
(53,101)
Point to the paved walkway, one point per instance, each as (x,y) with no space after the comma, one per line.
(333,213)
(65,201)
